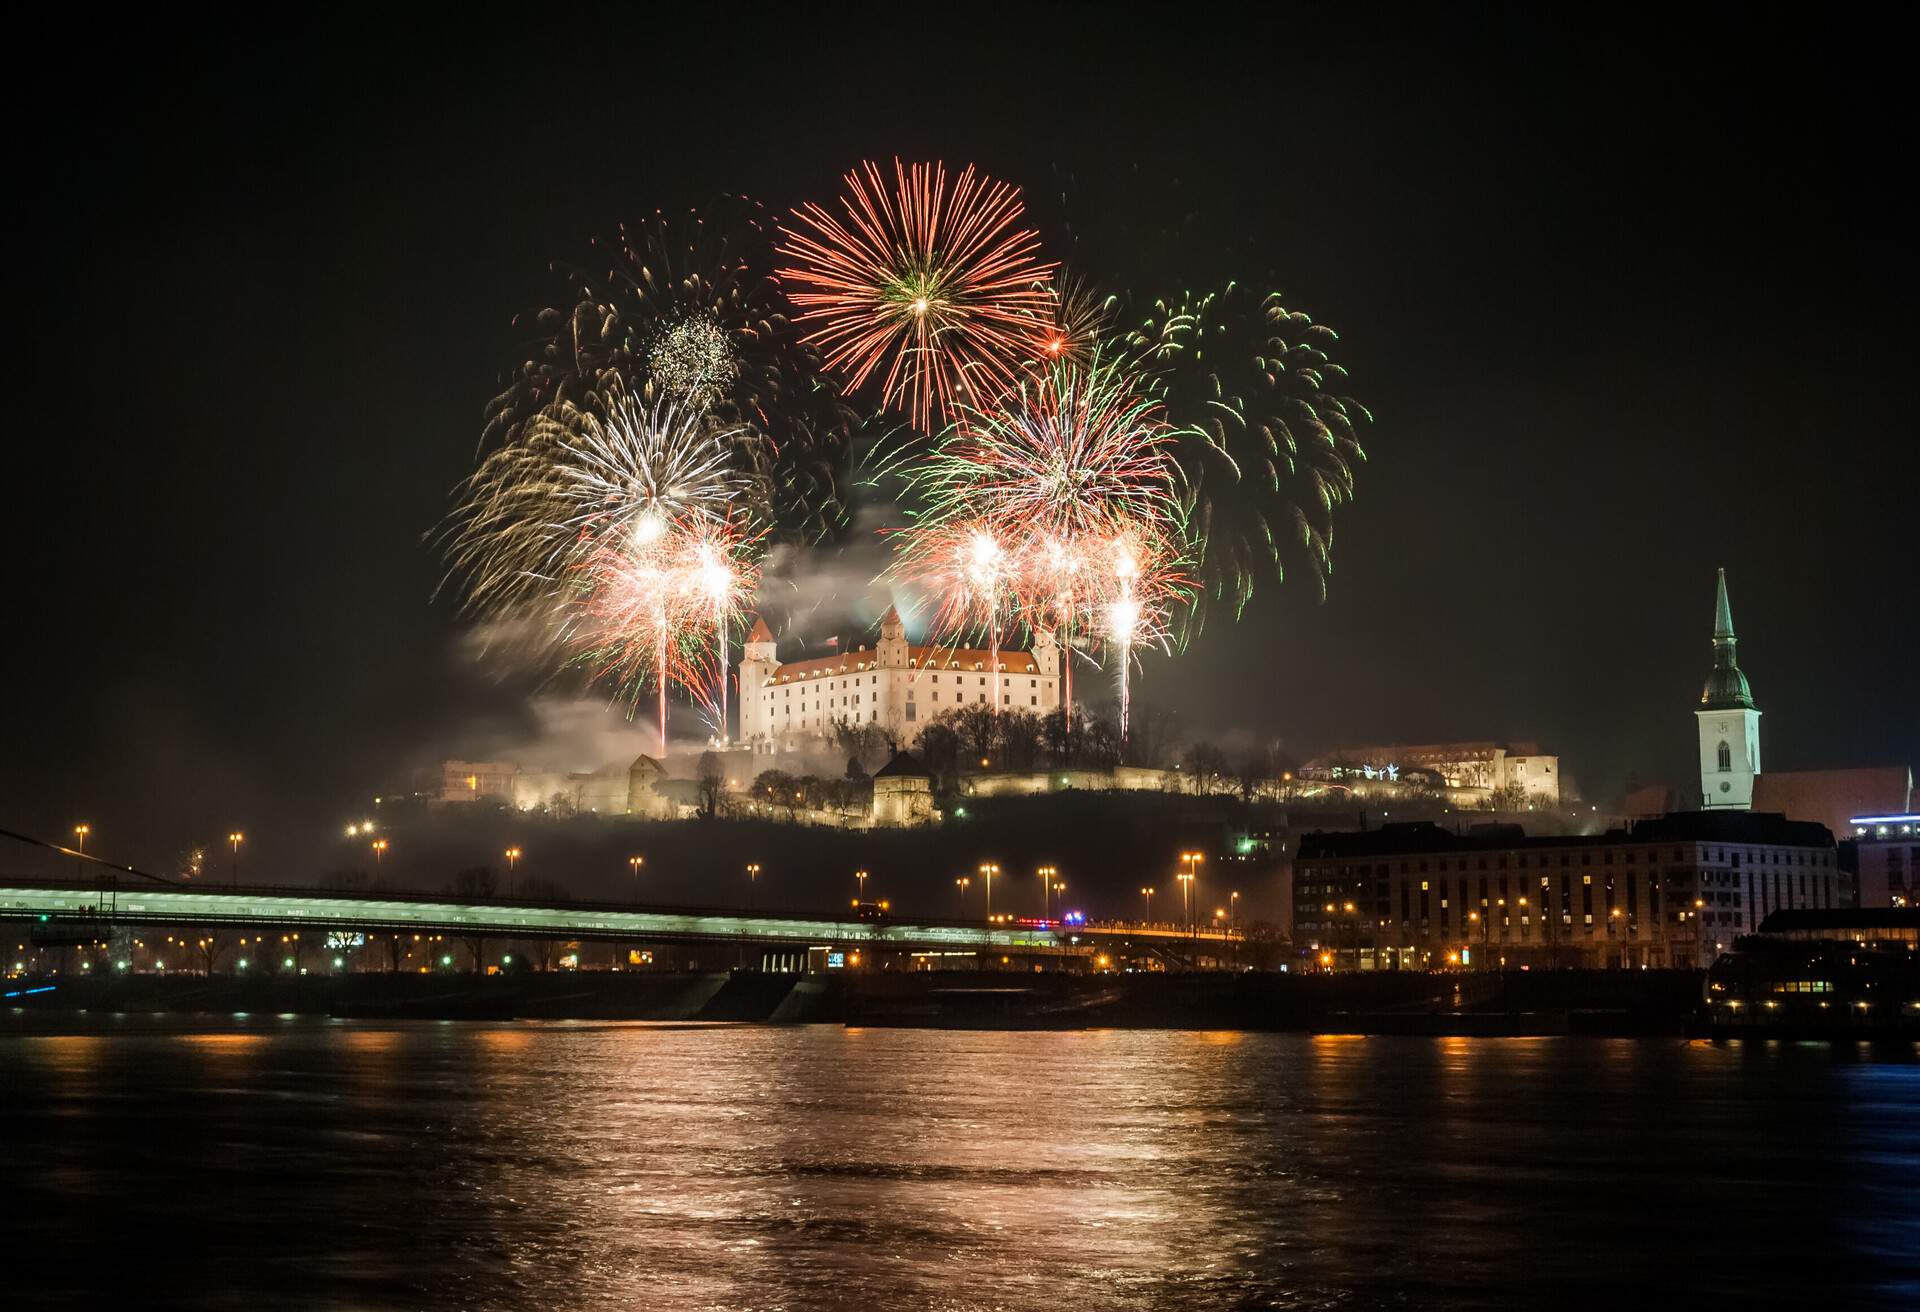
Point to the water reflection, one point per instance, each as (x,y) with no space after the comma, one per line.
(583,1165)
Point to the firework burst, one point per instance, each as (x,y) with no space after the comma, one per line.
(1052,509)
(1080,320)
(685,309)
(1272,440)
(620,543)
(930,285)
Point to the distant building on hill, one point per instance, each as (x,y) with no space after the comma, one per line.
(902,793)
(634,789)
(1520,769)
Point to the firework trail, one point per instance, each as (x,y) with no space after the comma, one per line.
(647,601)
(932,281)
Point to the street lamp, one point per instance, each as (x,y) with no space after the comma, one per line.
(987,871)
(1192,860)
(234,840)
(753,877)
(513,855)
(379,850)
(1147,893)
(963,883)
(1046,874)
(861,877)
(80,833)
(633,868)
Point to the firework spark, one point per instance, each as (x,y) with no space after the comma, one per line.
(932,281)
(693,361)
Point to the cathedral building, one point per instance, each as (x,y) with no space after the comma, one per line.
(1729,723)
(795,705)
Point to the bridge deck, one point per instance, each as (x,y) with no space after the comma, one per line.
(290,908)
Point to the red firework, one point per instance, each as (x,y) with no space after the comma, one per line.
(931,280)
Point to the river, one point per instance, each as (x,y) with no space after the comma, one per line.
(275,1162)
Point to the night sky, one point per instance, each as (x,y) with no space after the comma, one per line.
(1628,303)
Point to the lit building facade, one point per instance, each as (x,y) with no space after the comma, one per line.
(1520,768)
(794,705)
(1885,852)
(1669,892)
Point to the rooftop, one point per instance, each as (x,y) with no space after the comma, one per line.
(1841,921)
(1423,837)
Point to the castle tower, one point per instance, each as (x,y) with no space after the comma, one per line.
(1729,724)
(891,652)
(758,660)
(1046,652)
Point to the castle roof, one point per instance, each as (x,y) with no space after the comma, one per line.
(761,633)
(903,766)
(920,658)
(1726,688)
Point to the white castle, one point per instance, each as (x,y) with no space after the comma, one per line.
(795,705)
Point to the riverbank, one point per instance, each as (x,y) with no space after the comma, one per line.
(1517,1003)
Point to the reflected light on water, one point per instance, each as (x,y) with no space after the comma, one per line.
(597,1165)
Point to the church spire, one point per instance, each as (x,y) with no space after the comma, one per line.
(1726,687)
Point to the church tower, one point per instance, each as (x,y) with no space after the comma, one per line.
(1729,724)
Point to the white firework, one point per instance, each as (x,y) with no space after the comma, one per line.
(693,362)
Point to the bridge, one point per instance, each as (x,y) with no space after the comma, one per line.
(75,911)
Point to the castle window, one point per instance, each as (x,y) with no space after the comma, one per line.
(1726,758)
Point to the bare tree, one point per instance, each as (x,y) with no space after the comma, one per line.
(1205,763)
(975,728)
(777,788)
(1017,737)
(1251,774)
(939,748)
(712,785)
(1100,745)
